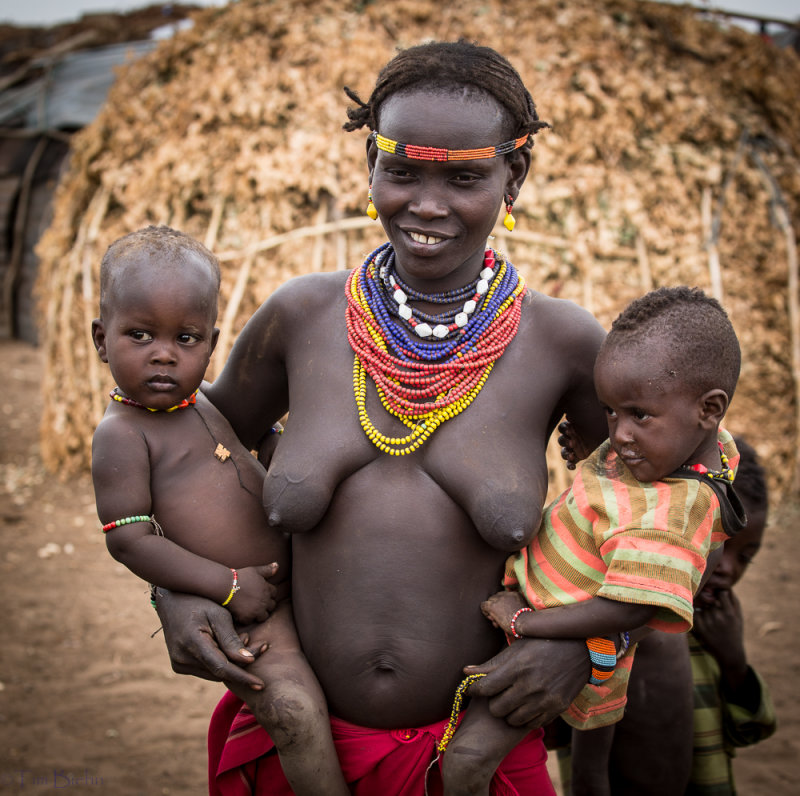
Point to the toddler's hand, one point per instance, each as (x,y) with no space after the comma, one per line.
(573,449)
(720,628)
(500,607)
(255,599)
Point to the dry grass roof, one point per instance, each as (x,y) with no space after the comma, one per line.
(674,157)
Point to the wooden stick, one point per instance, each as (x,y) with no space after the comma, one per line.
(357,222)
(318,252)
(18,243)
(90,309)
(711,244)
(644,264)
(214,222)
(783,220)
(232,308)
(712,222)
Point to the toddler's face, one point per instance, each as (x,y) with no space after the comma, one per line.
(653,421)
(159,332)
(737,554)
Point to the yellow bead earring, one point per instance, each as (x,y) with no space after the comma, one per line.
(371,209)
(508,221)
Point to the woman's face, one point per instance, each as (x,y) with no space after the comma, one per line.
(437,215)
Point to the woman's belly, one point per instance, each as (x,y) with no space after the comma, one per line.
(387,592)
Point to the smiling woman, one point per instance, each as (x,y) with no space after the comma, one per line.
(404,492)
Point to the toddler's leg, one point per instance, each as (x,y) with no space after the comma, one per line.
(658,723)
(479,745)
(292,709)
(591,752)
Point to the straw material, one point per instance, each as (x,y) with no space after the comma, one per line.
(675,143)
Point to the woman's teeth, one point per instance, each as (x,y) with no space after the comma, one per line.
(429,239)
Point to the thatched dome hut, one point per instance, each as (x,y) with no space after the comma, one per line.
(674,157)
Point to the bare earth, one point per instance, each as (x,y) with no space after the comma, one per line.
(88,701)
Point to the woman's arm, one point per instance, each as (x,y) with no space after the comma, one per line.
(581,338)
(252,391)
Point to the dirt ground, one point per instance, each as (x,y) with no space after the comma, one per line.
(88,700)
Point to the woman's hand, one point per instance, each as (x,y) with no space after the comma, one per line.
(533,680)
(201,640)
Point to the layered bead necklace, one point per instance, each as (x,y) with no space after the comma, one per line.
(426,368)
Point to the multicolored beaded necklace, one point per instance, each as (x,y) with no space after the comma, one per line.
(123,399)
(426,368)
(725,474)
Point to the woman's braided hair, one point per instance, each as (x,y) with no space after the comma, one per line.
(443,66)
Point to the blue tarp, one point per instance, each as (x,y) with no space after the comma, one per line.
(71,91)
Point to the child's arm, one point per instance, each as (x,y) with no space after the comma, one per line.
(747,710)
(720,630)
(122,489)
(595,617)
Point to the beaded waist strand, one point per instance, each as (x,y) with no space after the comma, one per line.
(426,371)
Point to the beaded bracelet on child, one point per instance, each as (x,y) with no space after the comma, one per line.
(603,652)
(151,519)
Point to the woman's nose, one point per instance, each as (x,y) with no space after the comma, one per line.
(428,203)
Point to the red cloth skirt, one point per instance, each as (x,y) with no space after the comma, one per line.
(242,760)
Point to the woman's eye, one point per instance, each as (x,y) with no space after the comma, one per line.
(138,334)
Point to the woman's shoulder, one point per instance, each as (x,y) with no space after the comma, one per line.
(562,320)
(310,288)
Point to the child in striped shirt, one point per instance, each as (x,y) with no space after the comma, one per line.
(627,544)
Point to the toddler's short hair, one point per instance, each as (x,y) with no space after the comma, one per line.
(167,244)
(703,350)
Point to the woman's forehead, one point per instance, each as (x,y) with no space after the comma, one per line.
(450,119)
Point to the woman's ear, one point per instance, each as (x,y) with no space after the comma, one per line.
(372,155)
(99,338)
(713,405)
(519,166)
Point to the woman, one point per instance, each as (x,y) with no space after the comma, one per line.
(404,505)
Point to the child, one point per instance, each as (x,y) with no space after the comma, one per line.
(627,545)
(732,704)
(163,456)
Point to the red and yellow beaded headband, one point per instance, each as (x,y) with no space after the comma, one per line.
(435,153)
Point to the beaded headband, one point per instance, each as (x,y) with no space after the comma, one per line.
(436,153)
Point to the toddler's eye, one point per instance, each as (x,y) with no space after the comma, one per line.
(187,339)
(142,337)
(640,414)
(610,412)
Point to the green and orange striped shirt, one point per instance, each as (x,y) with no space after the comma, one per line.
(612,536)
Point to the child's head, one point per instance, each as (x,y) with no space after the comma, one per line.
(666,374)
(158,306)
(738,552)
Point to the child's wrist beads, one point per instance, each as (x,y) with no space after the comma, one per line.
(234,588)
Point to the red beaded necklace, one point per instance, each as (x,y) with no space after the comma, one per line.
(123,399)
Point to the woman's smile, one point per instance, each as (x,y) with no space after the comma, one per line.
(438,215)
